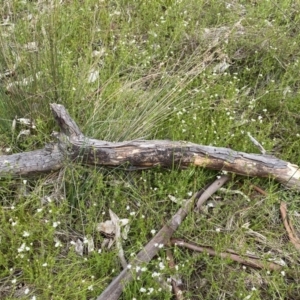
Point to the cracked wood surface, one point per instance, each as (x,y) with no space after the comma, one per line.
(73,145)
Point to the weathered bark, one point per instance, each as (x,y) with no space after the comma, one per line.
(73,145)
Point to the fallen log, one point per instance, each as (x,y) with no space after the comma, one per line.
(72,145)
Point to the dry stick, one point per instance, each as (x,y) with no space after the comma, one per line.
(258,189)
(211,189)
(251,262)
(115,288)
(175,285)
(256,143)
(289,228)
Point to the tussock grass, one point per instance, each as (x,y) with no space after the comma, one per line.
(205,72)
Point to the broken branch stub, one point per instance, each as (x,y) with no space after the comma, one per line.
(144,154)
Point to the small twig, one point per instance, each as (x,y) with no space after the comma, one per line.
(251,262)
(211,189)
(257,144)
(258,189)
(289,227)
(175,281)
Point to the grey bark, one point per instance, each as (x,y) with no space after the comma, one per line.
(73,145)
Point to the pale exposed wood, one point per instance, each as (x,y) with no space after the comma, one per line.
(73,145)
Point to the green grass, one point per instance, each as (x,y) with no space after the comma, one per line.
(155,70)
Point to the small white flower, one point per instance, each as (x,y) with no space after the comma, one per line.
(33,298)
(55,224)
(26,234)
(90,288)
(44,264)
(14,281)
(58,244)
(282,273)
(132,213)
(155,274)
(143,290)
(161,266)
(26,291)
(129,266)
(153,231)
(22,248)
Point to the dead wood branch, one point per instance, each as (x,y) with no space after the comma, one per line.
(73,145)
(259,190)
(251,262)
(211,189)
(289,226)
